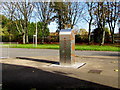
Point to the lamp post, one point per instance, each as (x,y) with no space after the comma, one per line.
(35,29)
(36,35)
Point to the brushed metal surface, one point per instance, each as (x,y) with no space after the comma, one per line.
(67,47)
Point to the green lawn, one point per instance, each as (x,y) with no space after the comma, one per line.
(77,47)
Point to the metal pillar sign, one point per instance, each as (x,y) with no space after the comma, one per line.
(67,47)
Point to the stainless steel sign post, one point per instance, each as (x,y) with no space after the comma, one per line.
(67,47)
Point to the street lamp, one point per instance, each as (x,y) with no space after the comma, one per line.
(36,33)
(35,36)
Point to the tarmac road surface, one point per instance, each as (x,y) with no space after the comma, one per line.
(16,52)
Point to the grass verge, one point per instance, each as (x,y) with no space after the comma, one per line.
(77,47)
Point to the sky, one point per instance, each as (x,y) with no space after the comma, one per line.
(84,25)
(80,25)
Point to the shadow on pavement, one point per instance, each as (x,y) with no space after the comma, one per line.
(16,77)
(38,60)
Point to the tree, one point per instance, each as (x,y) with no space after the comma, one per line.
(75,12)
(31,30)
(101,14)
(25,9)
(40,31)
(8,29)
(112,17)
(3,29)
(81,36)
(83,32)
(44,13)
(21,13)
(60,10)
(89,19)
(8,10)
(67,13)
(98,34)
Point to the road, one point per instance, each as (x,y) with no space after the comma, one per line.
(15,52)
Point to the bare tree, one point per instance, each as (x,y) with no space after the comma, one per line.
(44,14)
(90,17)
(25,9)
(101,14)
(75,10)
(67,13)
(112,17)
(21,13)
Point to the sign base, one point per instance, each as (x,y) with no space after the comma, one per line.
(76,65)
(4,57)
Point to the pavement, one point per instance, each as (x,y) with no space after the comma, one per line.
(36,72)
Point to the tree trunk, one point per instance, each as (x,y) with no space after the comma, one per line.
(43,32)
(103,38)
(24,38)
(60,26)
(89,38)
(27,41)
(112,38)
(119,30)
(42,39)
(10,37)
(26,29)
(42,42)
